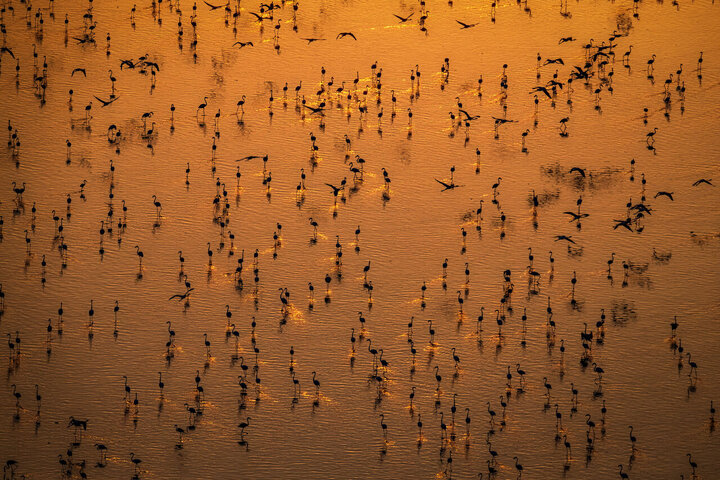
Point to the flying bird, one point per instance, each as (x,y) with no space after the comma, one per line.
(566,39)
(311,40)
(213,7)
(576,216)
(81,70)
(151,65)
(579,170)
(249,157)
(447,186)
(466,25)
(314,109)
(667,194)
(6,49)
(703,180)
(336,190)
(183,296)
(469,117)
(243,44)
(543,90)
(129,63)
(345,34)
(564,237)
(622,223)
(554,60)
(501,121)
(105,103)
(403,19)
(258,16)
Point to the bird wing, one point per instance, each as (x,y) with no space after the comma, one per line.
(256,15)
(6,49)
(212,7)
(175,296)
(443,183)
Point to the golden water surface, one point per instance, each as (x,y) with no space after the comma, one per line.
(665,262)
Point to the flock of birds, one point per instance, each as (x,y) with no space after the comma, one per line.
(363,96)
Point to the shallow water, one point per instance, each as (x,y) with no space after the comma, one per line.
(407,232)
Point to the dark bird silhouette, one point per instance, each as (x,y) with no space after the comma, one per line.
(104,102)
(345,34)
(564,237)
(576,216)
(623,223)
(667,194)
(447,186)
(579,170)
(403,19)
(336,190)
(152,65)
(311,40)
(548,61)
(566,39)
(6,49)
(213,7)
(314,109)
(469,117)
(128,63)
(243,44)
(703,180)
(501,121)
(466,25)
(182,296)
(81,70)
(543,90)
(580,73)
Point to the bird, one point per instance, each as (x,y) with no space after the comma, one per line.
(576,216)
(213,7)
(311,40)
(447,186)
(465,25)
(549,61)
(703,180)
(543,90)
(666,194)
(105,103)
(243,425)
(345,34)
(566,39)
(6,49)
(579,170)
(403,19)
(243,44)
(567,238)
(81,70)
(182,296)
(623,223)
